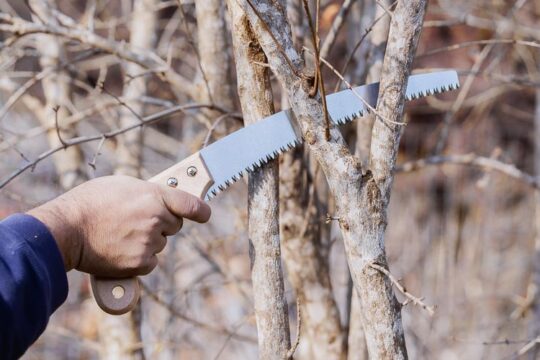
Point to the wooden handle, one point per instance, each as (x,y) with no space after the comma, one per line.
(118,296)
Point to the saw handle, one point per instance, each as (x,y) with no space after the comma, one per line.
(118,296)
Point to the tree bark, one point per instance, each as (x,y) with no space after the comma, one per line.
(255,93)
(403,38)
(129,149)
(307,265)
(361,201)
(376,46)
(300,229)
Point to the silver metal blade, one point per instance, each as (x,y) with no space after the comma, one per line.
(345,106)
(248,149)
(252,146)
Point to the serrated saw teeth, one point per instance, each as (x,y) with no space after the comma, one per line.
(247,149)
(217,188)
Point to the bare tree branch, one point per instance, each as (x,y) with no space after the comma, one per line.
(410,297)
(69,29)
(356,198)
(471,160)
(84,139)
(337,25)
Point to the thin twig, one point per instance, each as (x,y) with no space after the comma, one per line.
(120,101)
(357,45)
(349,86)
(229,337)
(70,29)
(386,9)
(471,160)
(84,139)
(92,163)
(337,25)
(415,300)
(57,127)
(479,42)
(21,90)
(178,314)
(292,350)
(319,82)
(191,43)
(529,346)
(237,116)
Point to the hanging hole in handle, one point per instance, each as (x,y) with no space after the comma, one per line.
(118,292)
(115,296)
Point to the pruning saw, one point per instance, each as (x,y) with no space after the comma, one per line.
(211,170)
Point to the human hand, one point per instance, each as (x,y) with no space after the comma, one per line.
(114,226)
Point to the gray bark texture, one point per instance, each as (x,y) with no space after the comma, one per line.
(307,265)
(361,201)
(375,47)
(271,312)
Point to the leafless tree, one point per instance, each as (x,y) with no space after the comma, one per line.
(304,261)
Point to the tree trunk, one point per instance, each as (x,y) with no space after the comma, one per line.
(214,76)
(300,229)
(255,93)
(215,80)
(129,149)
(307,266)
(376,46)
(361,201)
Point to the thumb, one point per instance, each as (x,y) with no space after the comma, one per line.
(185,205)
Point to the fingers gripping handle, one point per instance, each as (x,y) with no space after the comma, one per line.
(118,296)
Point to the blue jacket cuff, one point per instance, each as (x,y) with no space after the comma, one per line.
(40,240)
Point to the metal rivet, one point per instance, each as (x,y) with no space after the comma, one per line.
(172,182)
(192,171)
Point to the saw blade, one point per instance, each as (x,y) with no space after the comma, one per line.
(247,149)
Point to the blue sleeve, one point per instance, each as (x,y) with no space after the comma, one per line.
(33,282)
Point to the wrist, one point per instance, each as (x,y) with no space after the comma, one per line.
(61,220)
